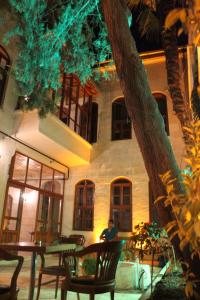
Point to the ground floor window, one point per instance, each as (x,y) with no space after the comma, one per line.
(121,204)
(84,205)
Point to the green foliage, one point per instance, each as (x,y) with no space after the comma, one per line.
(67,36)
(189,16)
(89,265)
(186,207)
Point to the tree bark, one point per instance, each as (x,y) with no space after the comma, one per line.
(147,121)
(170,46)
(143,110)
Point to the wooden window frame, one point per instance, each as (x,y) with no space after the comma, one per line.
(93,123)
(80,97)
(121,182)
(119,124)
(85,184)
(39,188)
(23,185)
(4,71)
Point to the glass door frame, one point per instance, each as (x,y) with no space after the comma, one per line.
(48,235)
(12,181)
(16,232)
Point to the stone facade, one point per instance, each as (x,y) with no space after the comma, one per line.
(114,159)
(109,159)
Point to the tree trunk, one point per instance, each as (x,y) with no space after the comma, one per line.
(147,121)
(195,97)
(170,46)
(143,110)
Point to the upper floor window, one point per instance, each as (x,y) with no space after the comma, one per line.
(84,205)
(76,107)
(89,121)
(121,204)
(162,106)
(93,123)
(121,123)
(4,68)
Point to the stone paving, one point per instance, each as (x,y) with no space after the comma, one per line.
(48,291)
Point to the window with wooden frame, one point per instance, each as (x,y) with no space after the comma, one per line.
(121,122)
(76,106)
(35,174)
(4,69)
(93,123)
(84,205)
(162,106)
(121,204)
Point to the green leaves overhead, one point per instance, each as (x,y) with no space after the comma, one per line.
(67,35)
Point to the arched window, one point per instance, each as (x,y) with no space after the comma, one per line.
(121,204)
(84,205)
(4,67)
(162,105)
(121,123)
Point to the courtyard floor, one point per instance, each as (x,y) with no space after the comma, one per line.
(48,291)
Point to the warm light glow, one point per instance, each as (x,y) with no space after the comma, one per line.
(98,230)
(29,196)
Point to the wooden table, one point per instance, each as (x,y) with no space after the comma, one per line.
(27,247)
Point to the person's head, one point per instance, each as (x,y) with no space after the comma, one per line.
(110,223)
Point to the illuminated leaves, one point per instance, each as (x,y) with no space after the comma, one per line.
(186,206)
(189,18)
(174,16)
(73,41)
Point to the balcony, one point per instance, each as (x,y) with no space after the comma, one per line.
(52,137)
(67,135)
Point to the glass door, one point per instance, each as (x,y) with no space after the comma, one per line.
(48,225)
(12,215)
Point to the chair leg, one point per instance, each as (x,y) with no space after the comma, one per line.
(112,295)
(78,296)
(57,282)
(39,286)
(91,296)
(63,294)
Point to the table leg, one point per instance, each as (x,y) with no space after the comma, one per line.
(32,276)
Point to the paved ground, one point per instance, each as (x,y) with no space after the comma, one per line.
(47,291)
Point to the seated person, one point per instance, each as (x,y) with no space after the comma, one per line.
(110,233)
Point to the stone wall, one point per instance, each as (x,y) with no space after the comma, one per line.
(113,159)
(109,160)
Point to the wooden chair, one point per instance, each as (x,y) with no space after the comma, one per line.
(9,292)
(107,255)
(80,239)
(57,270)
(77,239)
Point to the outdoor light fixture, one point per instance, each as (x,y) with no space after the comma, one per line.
(26,98)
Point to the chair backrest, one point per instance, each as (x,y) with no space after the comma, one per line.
(77,239)
(108,254)
(80,239)
(4,255)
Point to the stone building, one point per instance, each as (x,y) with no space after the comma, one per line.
(72,171)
